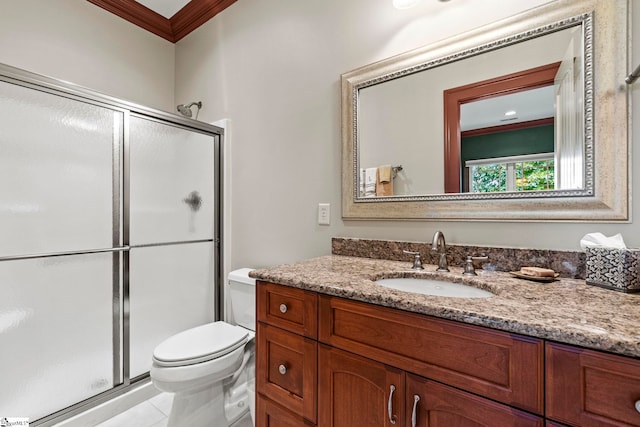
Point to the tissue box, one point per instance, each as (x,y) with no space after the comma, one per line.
(617,269)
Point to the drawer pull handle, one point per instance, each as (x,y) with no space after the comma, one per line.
(282,369)
(283,308)
(638,405)
(392,418)
(414,414)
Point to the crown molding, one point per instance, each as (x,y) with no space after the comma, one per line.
(194,14)
(187,19)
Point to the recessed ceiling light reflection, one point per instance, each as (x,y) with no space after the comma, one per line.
(405,4)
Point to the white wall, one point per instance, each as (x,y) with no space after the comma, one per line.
(74,40)
(274,69)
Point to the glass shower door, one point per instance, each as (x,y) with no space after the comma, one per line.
(171,290)
(172,185)
(171,234)
(56,178)
(59,223)
(55,332)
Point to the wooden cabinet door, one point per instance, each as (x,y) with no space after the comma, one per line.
(431,404)
(270,414)
(355,391)
(588,388)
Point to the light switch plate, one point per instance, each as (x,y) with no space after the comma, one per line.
(324,213)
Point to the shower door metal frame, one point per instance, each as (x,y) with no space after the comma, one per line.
(120,221)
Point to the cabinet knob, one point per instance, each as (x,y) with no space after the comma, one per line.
(282,369)
(283,308)
(638,405)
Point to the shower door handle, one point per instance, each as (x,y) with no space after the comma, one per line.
(193,200)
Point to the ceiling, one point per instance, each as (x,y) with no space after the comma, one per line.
(170,19)
(529,105)
(166,8)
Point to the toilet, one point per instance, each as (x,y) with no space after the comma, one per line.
(210,368)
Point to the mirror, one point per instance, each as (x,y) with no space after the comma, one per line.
(524,119)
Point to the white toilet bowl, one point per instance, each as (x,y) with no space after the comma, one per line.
(209,368)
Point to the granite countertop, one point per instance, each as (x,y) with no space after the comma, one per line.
(566,310)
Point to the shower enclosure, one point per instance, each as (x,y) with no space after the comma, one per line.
(109,241)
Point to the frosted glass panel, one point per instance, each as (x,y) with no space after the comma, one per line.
(171,289)
(55,333)
(55,172)
(168,166)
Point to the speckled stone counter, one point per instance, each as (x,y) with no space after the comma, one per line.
(567,263)
(566,310)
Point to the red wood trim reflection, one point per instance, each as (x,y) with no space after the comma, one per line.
(507,128)
(194,14)
(454,97)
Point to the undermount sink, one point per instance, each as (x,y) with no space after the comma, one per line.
(433,287)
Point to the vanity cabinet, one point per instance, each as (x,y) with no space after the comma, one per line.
(333,362)
(370,355)
(286,362)
(589,388)
(354,391)
(498,365)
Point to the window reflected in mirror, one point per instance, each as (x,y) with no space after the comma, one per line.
(519,173)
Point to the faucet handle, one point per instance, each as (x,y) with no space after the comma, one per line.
(478,260)
(470,266)
(417,260)
(469,269)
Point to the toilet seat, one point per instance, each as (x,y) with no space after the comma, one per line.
(200,344)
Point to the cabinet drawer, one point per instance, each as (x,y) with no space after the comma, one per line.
(441,406)
(499,365)
(286,369)
(270,414)
(590,388)
(288,308)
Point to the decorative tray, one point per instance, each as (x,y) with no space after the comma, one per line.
(544,279)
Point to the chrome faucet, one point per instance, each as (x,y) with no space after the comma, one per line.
(440,245)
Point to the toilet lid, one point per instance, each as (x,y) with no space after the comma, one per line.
(200,344)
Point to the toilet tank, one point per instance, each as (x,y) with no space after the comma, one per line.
(242,295)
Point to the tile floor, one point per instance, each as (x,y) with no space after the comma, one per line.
(150,413)
(154,413)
